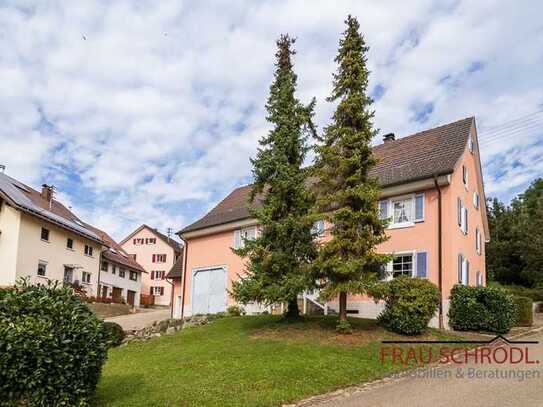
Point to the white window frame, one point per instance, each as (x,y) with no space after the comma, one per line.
(389,267)
(318,228)
(413,220)
(85,277)
(479,279)
(44,264)
(240,234)
(470,144)
(464,275)
(463,217)
(476,200)
(478,241)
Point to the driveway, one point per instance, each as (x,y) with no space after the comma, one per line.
(141,319)
(453,391)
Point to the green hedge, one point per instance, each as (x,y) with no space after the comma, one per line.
(524,311)
(52,347)
(114,332)
(481,309)
(536,294)
(410,304)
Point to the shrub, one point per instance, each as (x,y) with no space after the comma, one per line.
(235,311)
(410,304)
(114,333)
(344,327)
(481,309)
(524,311)
(52,347)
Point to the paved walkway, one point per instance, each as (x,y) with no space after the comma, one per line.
(453,391)
(141,319)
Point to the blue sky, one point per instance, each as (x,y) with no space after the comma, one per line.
(148,112)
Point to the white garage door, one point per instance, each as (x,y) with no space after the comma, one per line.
(209,291)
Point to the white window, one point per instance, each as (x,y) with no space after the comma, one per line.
(121,273)
(157,291)
(318,228)
(476,200)
(86,277)
(463,270)
(133,276)
(402,265)
(462,212)
(42,269)
(465,176)
(403,211)
(478,241)
(470,144)
(88,250)
(241,234)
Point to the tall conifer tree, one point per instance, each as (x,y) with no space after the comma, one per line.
(347,196)
(279,258)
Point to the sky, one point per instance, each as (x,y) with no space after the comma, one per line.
(148,112)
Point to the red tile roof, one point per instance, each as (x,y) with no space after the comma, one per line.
(418,156)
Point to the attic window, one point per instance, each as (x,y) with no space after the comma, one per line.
(470,144)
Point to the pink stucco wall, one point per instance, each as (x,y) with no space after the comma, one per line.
(214,250)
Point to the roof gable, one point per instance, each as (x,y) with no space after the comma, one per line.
(176,246)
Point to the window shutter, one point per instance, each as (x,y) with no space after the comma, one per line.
(237,239)
(151,291)
(154,258)
(467,272)
(161,290)
(383,209)
(466,228)
(460,265)
(459,211)
(165,257)
(152,275)
(422,264)
(419,207)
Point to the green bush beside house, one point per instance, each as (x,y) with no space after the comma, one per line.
(524,311)
(52,347)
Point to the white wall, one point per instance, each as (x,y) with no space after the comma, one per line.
(9,241)
(32,250)
(111,280)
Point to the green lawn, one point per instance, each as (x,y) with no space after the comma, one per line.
(244,361)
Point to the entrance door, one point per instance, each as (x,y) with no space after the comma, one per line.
(68,275)
(209,291)
(130,297)
(104,291)
(117,294)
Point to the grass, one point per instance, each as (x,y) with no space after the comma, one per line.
(245,361)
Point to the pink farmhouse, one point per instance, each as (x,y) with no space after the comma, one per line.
(432,193)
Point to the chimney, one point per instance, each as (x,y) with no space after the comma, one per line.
(389,137)
(2,168)
(47,192)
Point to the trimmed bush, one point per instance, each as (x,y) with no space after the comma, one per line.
(524,311)
(410,304)
(481,309)
(52,347)
(235,311)
(114,333)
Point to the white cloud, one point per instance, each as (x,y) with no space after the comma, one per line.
(149,111)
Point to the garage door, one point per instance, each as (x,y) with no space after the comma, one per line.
(209,291)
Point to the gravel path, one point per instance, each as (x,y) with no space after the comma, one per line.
(140,320)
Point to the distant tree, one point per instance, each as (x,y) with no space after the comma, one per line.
(514,254)
(346,195)
(280,256)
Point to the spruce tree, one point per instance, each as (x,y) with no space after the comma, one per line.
(346,195)
(278,268)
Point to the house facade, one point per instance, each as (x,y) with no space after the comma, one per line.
(431,192)
(41,239)
(156,253)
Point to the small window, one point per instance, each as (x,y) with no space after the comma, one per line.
(159,258)
(318,228)
(159,291)
(122,273)
(70,243)
(103,266)
(402,265)
(476,200)
(45,234)
(463,270)
(402,211)
(479,279)
(241,234)
(478,241)
(86,277)
(470,144)
(133,276)
(113,269)
(465,176)
(42,268)
(88,250)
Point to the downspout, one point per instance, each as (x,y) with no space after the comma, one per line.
(171,297)
(439,252)
(183,275)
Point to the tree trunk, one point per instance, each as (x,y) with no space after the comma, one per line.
(292,309)
(343,306)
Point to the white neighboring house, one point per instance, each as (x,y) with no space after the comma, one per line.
(43,240)
(120,276)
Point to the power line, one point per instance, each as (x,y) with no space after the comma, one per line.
(521,118)
(513,128)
